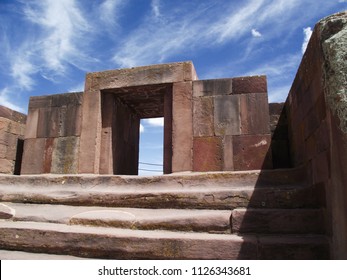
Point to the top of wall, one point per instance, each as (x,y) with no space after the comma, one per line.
(12,115)
(143,75)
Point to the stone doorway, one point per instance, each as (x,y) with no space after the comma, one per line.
(122,109)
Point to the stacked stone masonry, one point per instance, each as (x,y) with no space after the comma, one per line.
(52,134)
(209,125)
(12,128)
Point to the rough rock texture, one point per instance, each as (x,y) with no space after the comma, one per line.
(225,111)
(333,30)
(187,216)
(52,134)
(12,129)
(316,109)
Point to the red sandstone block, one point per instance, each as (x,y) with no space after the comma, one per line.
(182,127)
(254,84)
(203,124)
(228,155)
(47,162)
(12,115)
(207,154)
(252,152)
(32,123)
(254,113)
(6,166)
(64,155)
(36,102)
(212,87)
(227,115)
(321,167)
(33,156)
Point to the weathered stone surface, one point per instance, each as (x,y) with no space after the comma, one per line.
(284,221)
(254,113)
(64,155)
(32,123)
(11,134)
(203,123)
(212,87)
(6,212)
(152,74)
(207,154)
(123,243)
(214,221)
(9,114)
(21,255)
(252,152)
(227,115)
(33,156)
(333,30)
(182,127)
(6,165)
(227,190)
(253,84)
(293,247)
(228,153)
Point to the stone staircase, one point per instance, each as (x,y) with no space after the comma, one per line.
(270,214)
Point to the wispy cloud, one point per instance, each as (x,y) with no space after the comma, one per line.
(307,35)
(4,100)
(62,25)
(256,33)
(108,12)
(155,4)
(152,42)
(155,122)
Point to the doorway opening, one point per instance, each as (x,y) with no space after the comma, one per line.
(122,110)
(151,150)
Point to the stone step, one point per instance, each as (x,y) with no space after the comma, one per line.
(21,255)
(111,243)
(284,221)
(213,221)
(220,190)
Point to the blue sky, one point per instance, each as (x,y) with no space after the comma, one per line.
(47,46)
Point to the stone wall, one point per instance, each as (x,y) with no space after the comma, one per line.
(231,124)
(52,134)
(12,128)
(317,109)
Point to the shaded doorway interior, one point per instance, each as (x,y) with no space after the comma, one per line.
(122,109)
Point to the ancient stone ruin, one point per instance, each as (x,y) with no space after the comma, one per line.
(260,181)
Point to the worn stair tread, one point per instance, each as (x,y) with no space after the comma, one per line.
(115,243)
(135,218)
(277,221)
(210,191)
(21,255)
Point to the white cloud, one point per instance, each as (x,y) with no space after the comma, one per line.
(256,33)
(77,88)
(155,121)
(108,11)
(22,70)
(63,27)
(142,128)
(155,4)
(307,35)
(185,32)
(4,93)
(342,1)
